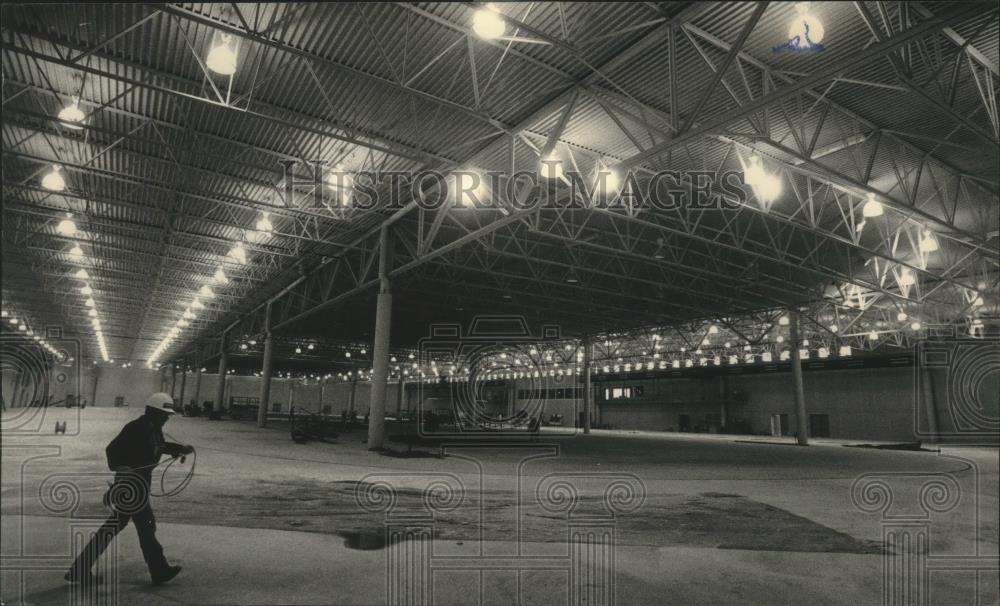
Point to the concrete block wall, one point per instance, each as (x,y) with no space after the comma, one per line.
(867,403)
(872,403)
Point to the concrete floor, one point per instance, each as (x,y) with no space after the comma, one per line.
(688,519)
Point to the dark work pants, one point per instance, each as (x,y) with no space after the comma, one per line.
(145,525)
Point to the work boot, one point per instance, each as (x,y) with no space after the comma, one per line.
(166,574)
(82,578)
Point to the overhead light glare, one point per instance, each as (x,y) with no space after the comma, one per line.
(54,180)
(67,227)
(928,243)
(487,22)
(872,208)
(551,166)
(222,58)
(238,254)
(72,116)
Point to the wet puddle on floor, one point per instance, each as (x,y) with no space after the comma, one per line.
(370,539)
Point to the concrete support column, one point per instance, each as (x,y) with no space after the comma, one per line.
(220,389)
(724,396)
(197,381)
(184,374)
(930,401)
(322,385)
(93,390)
(265,372)
(588,354)
(354,393)
(400,392)
(380,349)
(173,380)
(802,430)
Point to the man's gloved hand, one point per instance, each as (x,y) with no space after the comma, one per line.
(187,449)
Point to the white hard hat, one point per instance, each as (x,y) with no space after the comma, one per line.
(160,401)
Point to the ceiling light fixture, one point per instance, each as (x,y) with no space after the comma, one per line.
(238,254)
(872,208)
(222,58)
(928,243)
(551,166)
(72,116)
(488,23)
(67,227)
(805,30)
(54,181)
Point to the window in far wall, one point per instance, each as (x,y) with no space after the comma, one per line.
(618,393)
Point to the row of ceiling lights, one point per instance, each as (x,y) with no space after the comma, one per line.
(67,227)
(488,23)
(263,229)
(22,325)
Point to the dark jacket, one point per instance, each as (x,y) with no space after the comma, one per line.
(140,445)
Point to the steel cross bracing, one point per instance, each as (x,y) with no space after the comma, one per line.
(893,234)
(805,133)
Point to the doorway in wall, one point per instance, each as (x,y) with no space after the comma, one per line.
(684,422)
(819,426)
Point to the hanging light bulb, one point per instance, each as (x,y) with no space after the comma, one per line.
(222,58)
(89,302)
(873,335)
(67,227)
(86,290)
(82,274)
(906,278)
(872,208)
(608,181)
(220,277)
(769,188)
(551,166)
(71,116)
(487,22)
(264,223)
(206,291)
(754,173)
(76,253)
(928,243)
(783,321)
(298,350)
(901,316)
(915,326)
(238,254)
(263,227)
(54,181)
(805,30)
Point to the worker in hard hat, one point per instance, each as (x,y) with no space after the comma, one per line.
(132,455)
